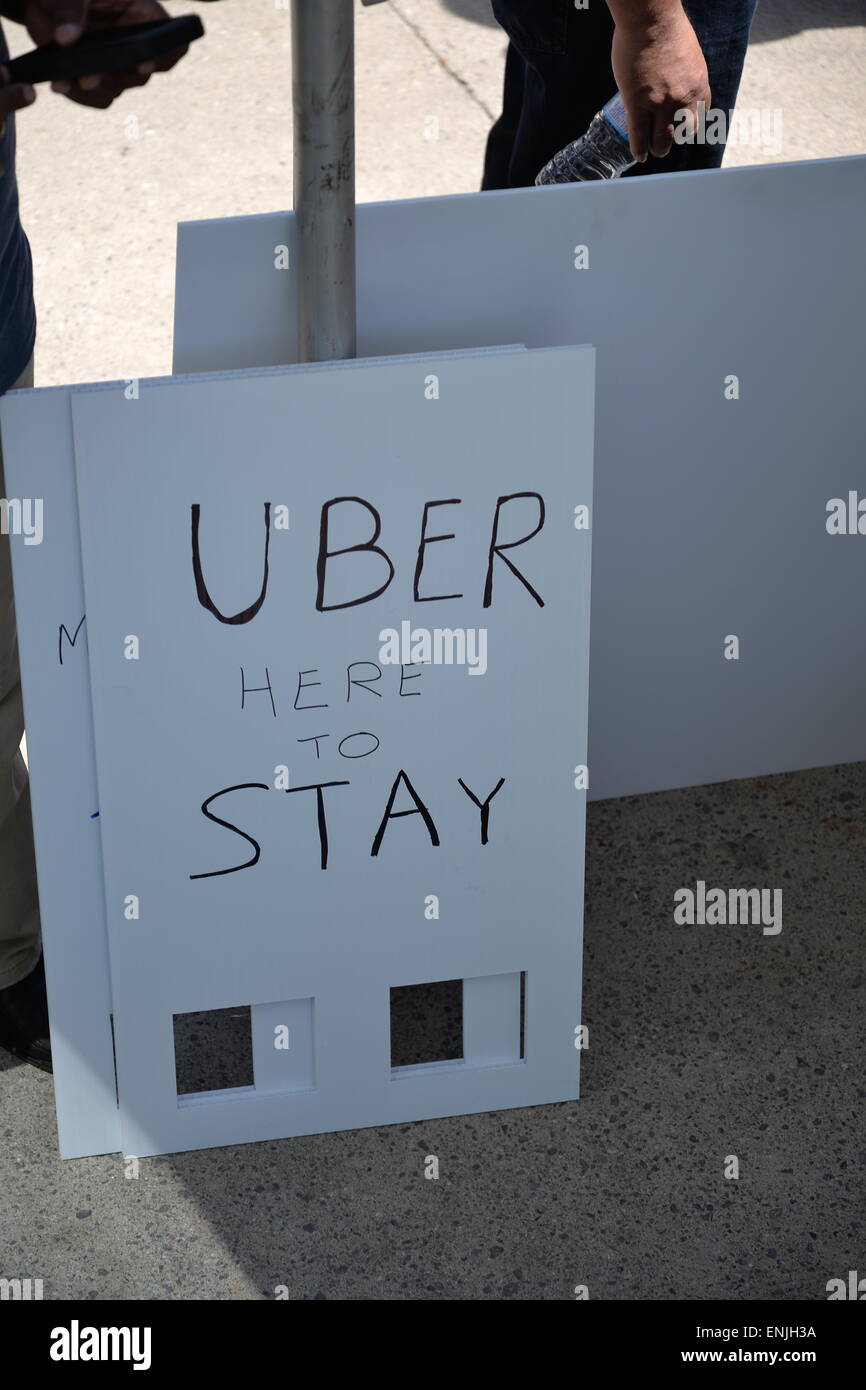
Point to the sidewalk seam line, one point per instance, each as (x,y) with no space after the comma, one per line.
(443,62)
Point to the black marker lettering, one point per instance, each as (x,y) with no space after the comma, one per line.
(404,677)
(71,640)
(325,555)
(366,682)
(362,733)
(242,786)
(204,597)
(420,809)
(430,540)
(313,739)
(510,545)
(483,806)
(320,813)
(306,685)
(253,689)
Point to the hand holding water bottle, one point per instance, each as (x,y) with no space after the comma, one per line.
(660,70)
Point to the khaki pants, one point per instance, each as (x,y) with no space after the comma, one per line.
(19,905)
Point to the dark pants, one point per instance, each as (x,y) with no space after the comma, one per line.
(558,75)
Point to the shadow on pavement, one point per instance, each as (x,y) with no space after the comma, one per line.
(779,19)
(775,19)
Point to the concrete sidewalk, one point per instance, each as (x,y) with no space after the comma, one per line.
(705,1043)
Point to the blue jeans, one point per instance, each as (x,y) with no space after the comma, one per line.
(558,75)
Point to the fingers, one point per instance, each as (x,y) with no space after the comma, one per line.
(639,134)
(101,101)
(168,60)
(689,116)
(58,21)
(653,129)
(662,134)
(639,145)
(101,90)
(14,97)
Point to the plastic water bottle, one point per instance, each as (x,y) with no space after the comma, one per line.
(602,153)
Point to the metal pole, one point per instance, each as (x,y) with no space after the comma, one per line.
(323,90)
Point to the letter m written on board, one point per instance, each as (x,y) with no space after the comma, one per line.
(64,632)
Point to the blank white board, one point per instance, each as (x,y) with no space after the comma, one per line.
(313,938)
(710,512)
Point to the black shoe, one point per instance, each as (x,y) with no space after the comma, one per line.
(24,1019)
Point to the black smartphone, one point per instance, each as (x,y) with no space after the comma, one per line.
(111,50)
